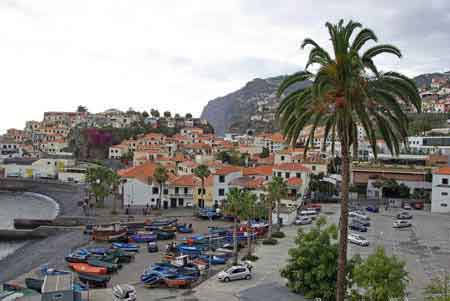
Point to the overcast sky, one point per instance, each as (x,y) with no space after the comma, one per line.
(177,55)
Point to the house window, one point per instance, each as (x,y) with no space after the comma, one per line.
(279,174)
(444,193)
(445,181)
(221,192)
(282,158)
(444,205)
(298,175)
(186,190)
(313,167)
(166,191)
(155,190)
(221,179)
(287,175)
(199,191)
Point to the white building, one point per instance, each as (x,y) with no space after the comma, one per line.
(221,179)
(440,195)
(297,176)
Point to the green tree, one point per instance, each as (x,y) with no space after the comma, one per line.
(82,109)
(177,116)
(188,116)
(167,114)
(265,153)
(202,171)
(380,278)
(250,204)
(312,265)
(276,190)
(154,113)
(439,288)
(237,207)
(101,181)
(347,91)
(223,156)
(145,114)
(161,176)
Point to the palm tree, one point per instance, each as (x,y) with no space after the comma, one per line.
(248,214)
(161,176)
(202,172)
(235,205)
(347,91)
(276,190)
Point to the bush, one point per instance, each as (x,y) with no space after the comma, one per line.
(278,234)
(250,258)
(270,241)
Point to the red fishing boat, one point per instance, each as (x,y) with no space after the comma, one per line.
(88,269)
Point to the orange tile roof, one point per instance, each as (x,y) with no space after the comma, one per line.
(442,171)
(263,170)
(141,172)
(248,182)
(188,163)
(294,182)
(178,157)
(292,166)
(186,180)
(227,170)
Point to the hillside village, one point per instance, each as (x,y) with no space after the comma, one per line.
(248,161)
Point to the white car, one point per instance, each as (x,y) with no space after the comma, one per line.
(358,215)
(308,212)
(235,273)
(358,240)
(303,220)
(402,224)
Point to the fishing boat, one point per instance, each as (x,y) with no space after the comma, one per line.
(34,284)
(97,250)
(94,281)
(179,281)
(111,267)
(143,237)
(151,278)
(214,259)
(185,228)
(189,250)
(109,232)
(122,256)
(125,247)
(162,235)
(80,255)
(88,269)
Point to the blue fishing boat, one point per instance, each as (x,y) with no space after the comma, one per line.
(80,255)
(214,259)
(143,237)
(189,250)
(97,250)
(185,228)
(125,247)
(151,278)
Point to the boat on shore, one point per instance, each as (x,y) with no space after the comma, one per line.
(88,269)
(94,281)
(109,232)
(34,284)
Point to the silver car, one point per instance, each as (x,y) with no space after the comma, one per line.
(235,273)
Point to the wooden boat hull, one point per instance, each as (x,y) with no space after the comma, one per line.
(88,269)
(109,236)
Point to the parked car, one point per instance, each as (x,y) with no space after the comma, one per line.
(124,292)
(314,206)
(308,212)
(152,247)
(235,273)
(303,220)
(361,221)
(357,227)
(358,215)
(402,224)
(358,240)
(406,206)
(404,215)
(418,205)
(373,209)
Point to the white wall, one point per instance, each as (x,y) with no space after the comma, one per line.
(137,193)
(440,196)
(218,185)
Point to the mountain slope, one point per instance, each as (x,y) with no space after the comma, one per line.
(253,106)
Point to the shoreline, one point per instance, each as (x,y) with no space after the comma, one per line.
(52,249)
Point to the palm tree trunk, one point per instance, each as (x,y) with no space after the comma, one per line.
(278,216)
(269,232)
(235,242)
(343,225)
(203,193)
(249,239)
(160,196)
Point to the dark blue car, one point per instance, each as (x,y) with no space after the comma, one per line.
(358,227)
(361,222)
(373,209)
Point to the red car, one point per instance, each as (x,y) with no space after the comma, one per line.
(417,205)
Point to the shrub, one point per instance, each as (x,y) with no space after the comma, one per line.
(278,234)
(250,257)
(270,241)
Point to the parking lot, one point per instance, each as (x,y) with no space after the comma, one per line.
(425,247)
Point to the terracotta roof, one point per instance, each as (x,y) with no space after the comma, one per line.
(292,166)
(227,169)
(264,170)
(442,171)
(191,164)
(248,182)
(186,180)
(293,150)
(178,157)
(141,172)
(294,182)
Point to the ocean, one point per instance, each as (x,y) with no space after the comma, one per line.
(22,205)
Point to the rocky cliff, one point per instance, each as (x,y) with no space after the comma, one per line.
(253,107)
